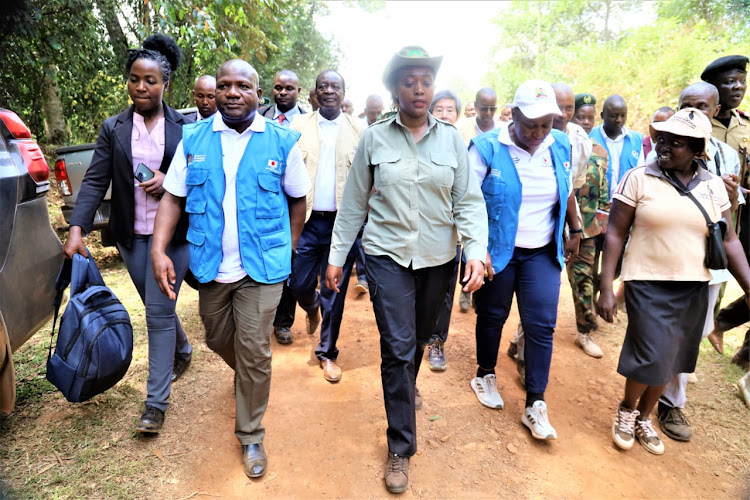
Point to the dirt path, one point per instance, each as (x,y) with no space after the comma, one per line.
(328,440)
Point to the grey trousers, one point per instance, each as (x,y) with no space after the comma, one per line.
(166,338)
(238,318)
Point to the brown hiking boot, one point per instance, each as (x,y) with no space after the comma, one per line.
(397,473)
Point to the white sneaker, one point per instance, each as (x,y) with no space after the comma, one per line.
(535,418)
(486,390)
(622,429)
(647,436)
(588,345)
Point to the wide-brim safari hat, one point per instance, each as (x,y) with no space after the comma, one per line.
(7,374)
(687,122)
(411,55)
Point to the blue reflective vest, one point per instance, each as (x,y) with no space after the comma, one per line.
(503,193)
(262,212)
(631,151)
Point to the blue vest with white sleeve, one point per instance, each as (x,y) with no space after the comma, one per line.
(631,151)
(265,239)
(502,191)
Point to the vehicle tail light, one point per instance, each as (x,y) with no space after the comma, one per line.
(15,125)
(34,160)
(32,155)
(61,175)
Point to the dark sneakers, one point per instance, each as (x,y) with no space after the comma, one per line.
(674,423)
(151,421)
(436,356)
(179,367)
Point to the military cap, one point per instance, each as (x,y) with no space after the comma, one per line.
(722,64)
(411,55)
(585,100)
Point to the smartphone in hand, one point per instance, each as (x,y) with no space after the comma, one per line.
(143,173)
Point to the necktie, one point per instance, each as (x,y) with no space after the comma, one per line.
(281,119)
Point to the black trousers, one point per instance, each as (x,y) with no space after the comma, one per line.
(406,304)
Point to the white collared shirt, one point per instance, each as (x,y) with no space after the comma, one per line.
(614,146)
(325,179)
(539,194)
(295,183)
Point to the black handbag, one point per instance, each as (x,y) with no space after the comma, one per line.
(716,256)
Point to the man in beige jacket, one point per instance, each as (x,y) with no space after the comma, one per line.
(328,143)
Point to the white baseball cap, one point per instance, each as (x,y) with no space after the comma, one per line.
(535,99)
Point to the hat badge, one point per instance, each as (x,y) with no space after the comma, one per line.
(587,99)
(540,93)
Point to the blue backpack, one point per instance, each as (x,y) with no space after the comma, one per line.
(95,341)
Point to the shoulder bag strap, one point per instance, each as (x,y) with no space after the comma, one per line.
(680,187)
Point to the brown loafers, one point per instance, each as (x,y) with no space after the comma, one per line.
(331,371)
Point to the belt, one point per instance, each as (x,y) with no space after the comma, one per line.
(318,213)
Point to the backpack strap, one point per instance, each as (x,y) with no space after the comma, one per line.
(61,283)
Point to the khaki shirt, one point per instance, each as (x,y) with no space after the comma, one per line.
(422,193)
(737,135)
(309,144)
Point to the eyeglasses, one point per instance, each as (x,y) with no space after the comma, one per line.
(488,108)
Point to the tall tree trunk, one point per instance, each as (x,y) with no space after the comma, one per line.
(117,39)
(54,118)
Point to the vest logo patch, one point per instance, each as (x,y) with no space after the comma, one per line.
(274,166)
(635,154)
(191,158)
(567,166)
(496,173)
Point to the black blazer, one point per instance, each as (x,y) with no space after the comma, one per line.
(269,111)
(113,161)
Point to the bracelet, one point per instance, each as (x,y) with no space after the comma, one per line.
(576,231)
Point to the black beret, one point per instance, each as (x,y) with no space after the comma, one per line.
(723,64)
(585,100)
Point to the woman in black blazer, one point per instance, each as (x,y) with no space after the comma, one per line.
(143,139)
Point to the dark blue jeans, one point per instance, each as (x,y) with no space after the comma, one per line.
(533,275)
(308,269)
(406,303)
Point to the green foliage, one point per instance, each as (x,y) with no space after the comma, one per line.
(60,39)
(300,47)
(648,66)
(71,43)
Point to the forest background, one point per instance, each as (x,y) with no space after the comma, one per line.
(64,59)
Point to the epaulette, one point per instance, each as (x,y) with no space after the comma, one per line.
(743,114)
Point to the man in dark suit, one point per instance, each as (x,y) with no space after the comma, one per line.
(286,91)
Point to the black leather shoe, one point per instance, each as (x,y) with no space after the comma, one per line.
(283,335)
(151,421)
(179,367)
(254,459)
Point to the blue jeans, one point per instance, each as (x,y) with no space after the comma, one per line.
(166,338)
(533,275)
(308,269)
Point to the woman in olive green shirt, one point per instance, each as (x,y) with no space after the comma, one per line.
(411,174)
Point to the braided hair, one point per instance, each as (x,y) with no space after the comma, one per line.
(160,48)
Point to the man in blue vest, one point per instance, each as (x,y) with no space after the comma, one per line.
(243,183)
(624,147)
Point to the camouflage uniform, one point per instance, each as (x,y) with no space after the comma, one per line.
(592,196)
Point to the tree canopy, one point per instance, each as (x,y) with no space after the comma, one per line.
(64,59)
(577,42)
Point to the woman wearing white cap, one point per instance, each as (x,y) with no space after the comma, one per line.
(524,170)
(664,268)
(417,171)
